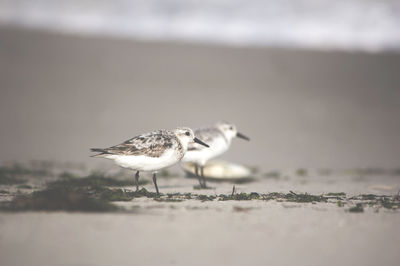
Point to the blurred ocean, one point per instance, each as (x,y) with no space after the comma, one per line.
(366,25)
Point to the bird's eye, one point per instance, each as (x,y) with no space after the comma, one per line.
(187,133)
(231,128)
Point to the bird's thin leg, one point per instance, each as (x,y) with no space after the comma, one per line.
(196,171)
(155,183)
(137,180)
(202,176)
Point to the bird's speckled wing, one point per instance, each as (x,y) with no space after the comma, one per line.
(205,134)
(152,144)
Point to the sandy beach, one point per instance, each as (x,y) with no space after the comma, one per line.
(269,235)
(193,232)
(63,94)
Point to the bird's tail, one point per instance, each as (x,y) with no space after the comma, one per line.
(102,152)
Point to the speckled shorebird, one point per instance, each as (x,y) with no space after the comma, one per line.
(151,152)
(219,137)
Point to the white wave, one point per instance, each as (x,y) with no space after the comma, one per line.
(369,25)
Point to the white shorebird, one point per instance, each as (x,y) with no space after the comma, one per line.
(151,152)
(219,137)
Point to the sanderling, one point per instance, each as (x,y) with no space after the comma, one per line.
(219,137)
(151,152)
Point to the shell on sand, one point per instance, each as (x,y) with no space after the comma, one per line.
(221,171)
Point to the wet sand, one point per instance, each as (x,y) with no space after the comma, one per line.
(269,234)
(194,232)
(63,94)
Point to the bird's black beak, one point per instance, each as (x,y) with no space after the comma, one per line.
(200,142)
(240,135)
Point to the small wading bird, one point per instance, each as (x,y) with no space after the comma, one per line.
(219,137)
(151,152)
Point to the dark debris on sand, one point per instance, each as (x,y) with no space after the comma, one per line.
(58,199)
(96,192)
(90,194)
(17,174)
(358,208)
(97,198)
(94,180)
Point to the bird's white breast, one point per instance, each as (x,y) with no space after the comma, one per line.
(217,146)
(146,163)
